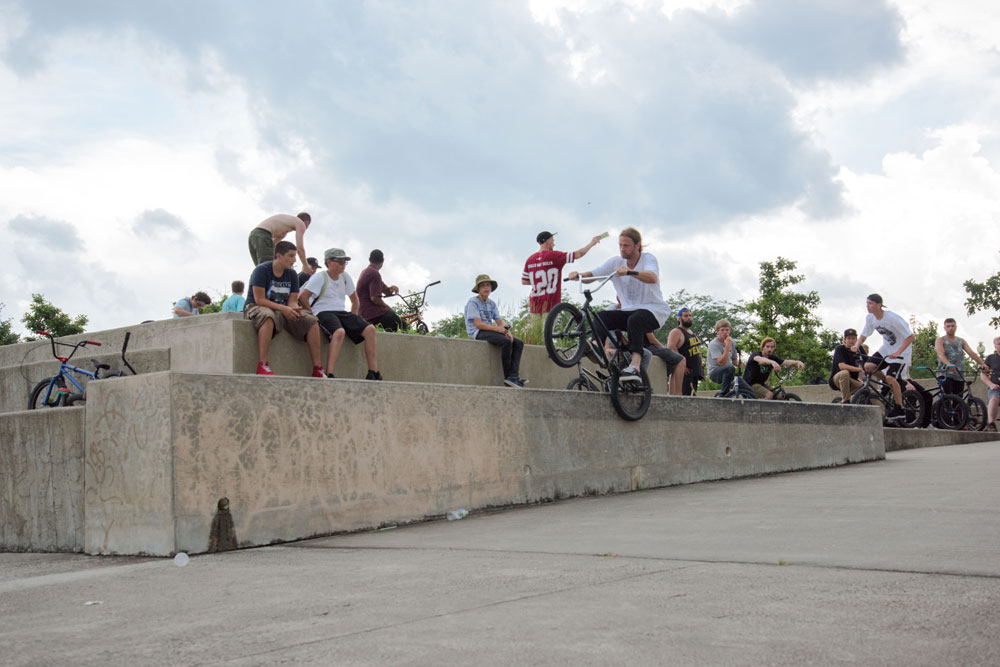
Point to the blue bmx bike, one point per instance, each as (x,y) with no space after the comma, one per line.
(64,389)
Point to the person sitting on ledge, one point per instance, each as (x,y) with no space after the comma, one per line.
(483,322)
(186,306)
(273,286)
(759,367)
(723,358)
(324,295)
(846,367)
(235,303)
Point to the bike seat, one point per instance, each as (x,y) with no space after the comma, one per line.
(101,367)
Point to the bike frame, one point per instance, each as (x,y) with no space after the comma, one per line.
(67,369)
(597,326)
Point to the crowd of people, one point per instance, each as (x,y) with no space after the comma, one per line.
(313,304)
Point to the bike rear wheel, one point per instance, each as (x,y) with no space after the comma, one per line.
(792,397)
(950,412)
(564,332)
(581,384)
(863,397)
(631,400)
(913,407)
(422,328)
(977,413)
(41,397)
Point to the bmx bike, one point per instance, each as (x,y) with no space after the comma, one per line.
(414,304)
(572,333)
(54,391)
(874,391)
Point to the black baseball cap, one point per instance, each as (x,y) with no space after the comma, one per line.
(877,298)
(544,236)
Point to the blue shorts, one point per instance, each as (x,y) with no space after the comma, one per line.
(992,393)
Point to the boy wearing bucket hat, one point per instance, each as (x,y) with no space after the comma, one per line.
(483,322)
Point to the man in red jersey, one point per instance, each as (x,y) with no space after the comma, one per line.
(543,271)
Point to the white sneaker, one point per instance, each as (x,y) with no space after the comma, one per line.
(630,374)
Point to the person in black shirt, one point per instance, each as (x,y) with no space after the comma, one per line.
(759,368)
(991,379)
(846,367)
(683,340)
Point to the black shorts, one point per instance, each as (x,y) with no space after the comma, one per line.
(891,369)
(353,325)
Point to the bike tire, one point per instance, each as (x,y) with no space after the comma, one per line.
(913,406)
(564,332)
(56,399)
(422,328)
(977,414)
(631,401)
(792,397)
(862,397)
(951,413)
(580,384)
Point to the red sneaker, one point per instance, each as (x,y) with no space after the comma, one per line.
(264,369)
(318,372)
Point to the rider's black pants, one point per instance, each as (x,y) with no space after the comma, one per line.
(637,323)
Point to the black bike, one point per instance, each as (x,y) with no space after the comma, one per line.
(878,392)
(571,334)
(949,412)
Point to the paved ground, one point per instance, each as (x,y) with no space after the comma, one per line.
(888,563)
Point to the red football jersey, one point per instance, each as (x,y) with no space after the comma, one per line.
(543,271)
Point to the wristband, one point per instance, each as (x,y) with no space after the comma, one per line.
(631,273)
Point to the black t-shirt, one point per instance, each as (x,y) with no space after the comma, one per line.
(757,374)
(993,361)
(843,355)
(276,288)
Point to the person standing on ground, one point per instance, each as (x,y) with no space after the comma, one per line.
(235,303)
(483,322)
(371,289)
(543,271)
(684,341)
(896,349)
(951,351)
(846,367)
(325,295)
(991,378)
(265,236)
(272,307)
(186,306)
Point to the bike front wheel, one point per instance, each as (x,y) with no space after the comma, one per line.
(863,397)
(792,397)
(913,408)
(564,335)
(631,400)
(977,414)
(422,328)
(950,412)
(42,397)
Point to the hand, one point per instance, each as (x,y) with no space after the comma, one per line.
(291,313)
(573,275)
(594,241)
(854,349)
(393,290)
(802,366)
(621,271)
(308,269)
(894,355)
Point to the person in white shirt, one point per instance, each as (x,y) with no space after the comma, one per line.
(896,349)
(637,282)
(324,295)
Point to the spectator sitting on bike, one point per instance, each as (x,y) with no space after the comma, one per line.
(951,351)
(235,302)
(187,306)
(895,349)
(483,322)
(991,379)
(371,289)
(675,361)
(543,271)
(272,307)
(846,367)
(723,358)
(637,282)
(324,296)
(759,367)
(685,342)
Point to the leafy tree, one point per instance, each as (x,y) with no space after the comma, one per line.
(924,354)
(984,296)
(786,316)
(451,327)
(7,335)
(705,312)
(43,316)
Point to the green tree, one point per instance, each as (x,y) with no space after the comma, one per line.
(787,316)
(451,327)
(924,354)
(43,316)
(7,335)
(705,312)
(984,296)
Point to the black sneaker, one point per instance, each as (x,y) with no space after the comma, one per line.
(895,414)
(629,374)
(374,375)
(513,382)
(330,375)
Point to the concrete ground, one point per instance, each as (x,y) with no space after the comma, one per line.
(888,563)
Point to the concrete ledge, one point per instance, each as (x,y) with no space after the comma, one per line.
(42,480)
(897,439)
(299,458)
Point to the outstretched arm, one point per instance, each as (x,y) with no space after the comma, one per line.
(577,254)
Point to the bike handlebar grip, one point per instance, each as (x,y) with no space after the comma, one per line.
(92,342)
(436,282)
(42,333)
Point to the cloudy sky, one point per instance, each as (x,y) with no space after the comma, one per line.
(143,140)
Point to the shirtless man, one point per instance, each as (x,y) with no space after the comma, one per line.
(265,235)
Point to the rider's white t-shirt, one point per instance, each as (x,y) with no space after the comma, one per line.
(893,330)
(632,292)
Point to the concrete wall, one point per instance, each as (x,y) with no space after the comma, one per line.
(298,458)
(42,480)
(897,439)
